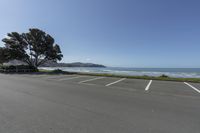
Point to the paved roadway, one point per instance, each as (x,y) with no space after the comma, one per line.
(87,104)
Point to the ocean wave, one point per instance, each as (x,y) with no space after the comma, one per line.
(123,71)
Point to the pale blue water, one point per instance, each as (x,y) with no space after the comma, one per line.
(172,72)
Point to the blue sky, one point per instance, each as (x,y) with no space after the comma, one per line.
(129,33)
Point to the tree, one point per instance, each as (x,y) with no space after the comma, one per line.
(4,55)
(34,48)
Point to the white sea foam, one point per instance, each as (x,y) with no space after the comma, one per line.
(183,73)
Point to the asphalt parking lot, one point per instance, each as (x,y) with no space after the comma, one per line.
(88,104)
(157,87)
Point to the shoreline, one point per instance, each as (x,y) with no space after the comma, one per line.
(161,78)
(152,72)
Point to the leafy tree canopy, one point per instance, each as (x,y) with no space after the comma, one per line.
(34,48)
(4,55)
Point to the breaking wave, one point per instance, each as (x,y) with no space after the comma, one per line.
(171,72)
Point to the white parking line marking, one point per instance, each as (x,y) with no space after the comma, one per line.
(38,76)
(52,77)
(192,87)
(115,82)
(71,78)
(91,79)
(148,86)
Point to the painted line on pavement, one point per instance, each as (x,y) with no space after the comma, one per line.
(37,76)
(52,77)
(148,86)
(115,82)
(91,79)
(63,79)
(192,87)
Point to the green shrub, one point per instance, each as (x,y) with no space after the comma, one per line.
(164,76)
(18,68)
(57,71)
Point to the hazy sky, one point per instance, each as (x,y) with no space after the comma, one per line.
(130,33)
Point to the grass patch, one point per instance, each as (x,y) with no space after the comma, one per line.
(162,77)
(56,71)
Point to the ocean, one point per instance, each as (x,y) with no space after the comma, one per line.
(172,72)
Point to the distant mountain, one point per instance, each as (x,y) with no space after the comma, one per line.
(75,64)
(55,64)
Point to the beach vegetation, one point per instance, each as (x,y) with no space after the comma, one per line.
(145,77)
(164,76)
(4,55)
(33,48)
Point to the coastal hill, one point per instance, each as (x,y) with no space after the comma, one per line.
(55,64)
(75,64)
